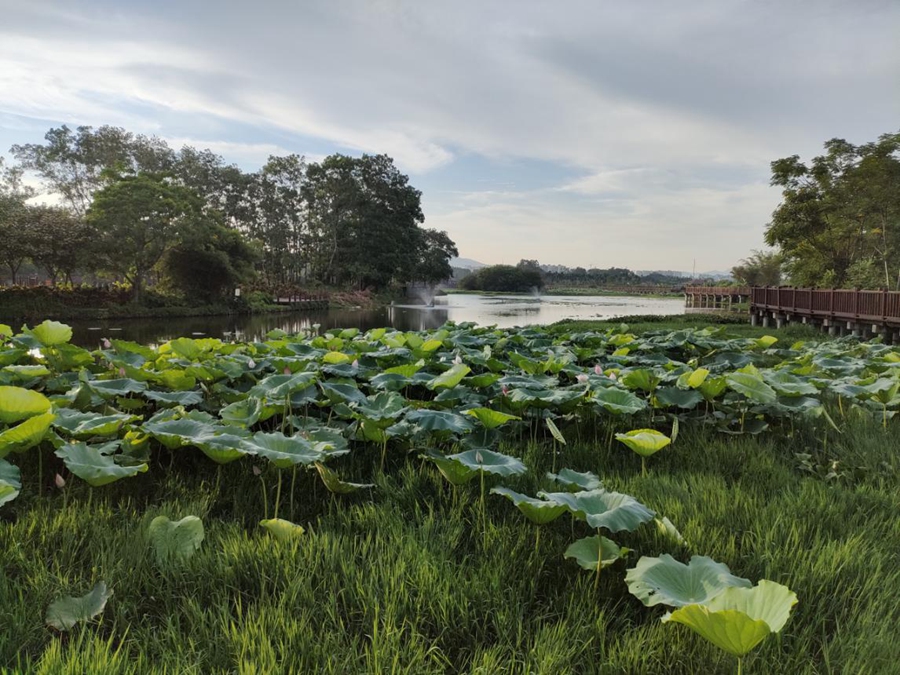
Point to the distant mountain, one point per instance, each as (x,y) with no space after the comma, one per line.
(466,263)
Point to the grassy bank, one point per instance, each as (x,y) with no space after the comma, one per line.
(404,581)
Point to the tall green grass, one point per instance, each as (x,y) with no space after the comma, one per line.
(404,580)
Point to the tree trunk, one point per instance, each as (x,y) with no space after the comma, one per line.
(137,288)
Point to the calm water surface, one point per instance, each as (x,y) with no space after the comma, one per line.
(500,310)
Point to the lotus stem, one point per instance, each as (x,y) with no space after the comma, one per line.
(739,666)
(265,498)
(643,467)
(599,566)
(40,471)
(278,493)
(537,538)
(483,509)
(218,481)
(293,481)
(383,454)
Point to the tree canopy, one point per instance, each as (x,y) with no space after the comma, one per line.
(838,223)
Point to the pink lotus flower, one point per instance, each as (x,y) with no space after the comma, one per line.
(122,372)
(256,470)
(106,343)
(355,364)
(504,389)
(287,371)
(582,378)
(59,481)
(612,376)
(457,360)
(251,364)
(598,370)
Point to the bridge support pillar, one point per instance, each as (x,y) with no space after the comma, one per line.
(754,318)
(765,320)
(779,321)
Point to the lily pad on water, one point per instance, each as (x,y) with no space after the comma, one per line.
(665,581)
(65,613)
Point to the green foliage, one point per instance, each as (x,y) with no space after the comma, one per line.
(175,541)
(65,613)
(665,581)
(503,278)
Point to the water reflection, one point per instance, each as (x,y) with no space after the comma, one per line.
(503,311)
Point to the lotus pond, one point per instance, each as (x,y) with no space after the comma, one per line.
(464,499)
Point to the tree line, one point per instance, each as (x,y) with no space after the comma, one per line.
(838,223)
(133,208)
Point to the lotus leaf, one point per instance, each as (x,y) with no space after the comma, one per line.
(751,386)
(335,484)
(665,581)
(738,619)
(618,401)
(65,613)
(644,442)
(538,511)
(613,511)
(440,421)
(450,378)
(593,552)
(94,467)
(175,541)
(10,482)
(283,530)
(286,451)
(490,419)
(25,435)
(575,481)
(50,333)
(17,404)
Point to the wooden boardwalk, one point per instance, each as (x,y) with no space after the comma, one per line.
(839,311)
(714,297)
(303,301)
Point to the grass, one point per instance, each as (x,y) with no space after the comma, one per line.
(403,580)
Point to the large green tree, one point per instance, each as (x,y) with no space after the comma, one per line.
(137,219)
(57,240)
(840,214)
(762,268)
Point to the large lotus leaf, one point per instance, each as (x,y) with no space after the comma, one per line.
(335,358)
(176,379)
(334,484)
(644,442)
(613,511)
(85,425)
(184,347)
(592,552)
(340,392)
(538,511)
(10,482)
(575,481)
(17,404)
(5,331)
(65,613)
(11,356)
(278,387)
(173,398)
(751,386)
(618,401)
(482,381)
(455,472)
(641,378)
(50,333)
(128,347)
(450,378)
(787,384)
(175,433)
(283,530)
(489,461)
(286,451)
(440,421)
(27,372)
(175,541)
(490,419)
(94,467)
(382,407)
(712,387)
(25,435)
(244,413)
(225,447)
(119,387)
(679,398)
(332,441)
(390,382)
(665,581)
(738,619)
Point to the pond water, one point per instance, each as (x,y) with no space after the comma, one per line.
(504,311)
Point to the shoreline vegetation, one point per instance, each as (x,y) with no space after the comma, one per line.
(456,500)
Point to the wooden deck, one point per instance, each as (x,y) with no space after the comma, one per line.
(715,297)
(840,311)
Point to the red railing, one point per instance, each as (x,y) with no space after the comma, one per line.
(877,306)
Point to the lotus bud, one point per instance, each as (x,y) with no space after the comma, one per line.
(106,343)
(458,360)
(355,364)
(287,371)
(582,377)
(598,370)
(256,470)
(122,372)
(504,389)
(60,481)
(612,376)
(251,364)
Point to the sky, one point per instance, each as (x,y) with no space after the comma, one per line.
(598,133)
